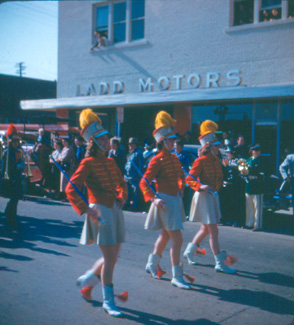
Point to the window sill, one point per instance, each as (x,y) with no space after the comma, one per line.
(123,45)
(240,28)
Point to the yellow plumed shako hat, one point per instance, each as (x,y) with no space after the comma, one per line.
(91,125)
(207,133)
(164,124)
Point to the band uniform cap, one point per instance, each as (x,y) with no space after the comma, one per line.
(133,141)
(207,133)
(163,133)
(164,120)
(91,125)
(208,126)
(172,136)
(164,124)
(256,147)
(94,130)
(209,138)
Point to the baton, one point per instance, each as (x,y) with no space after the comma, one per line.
(188,174)
(102,222)
(146,180)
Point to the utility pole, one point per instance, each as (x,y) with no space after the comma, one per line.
(20,67)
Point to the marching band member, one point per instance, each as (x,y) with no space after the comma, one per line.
(255,188)
(205,206)
(13,163)
(107,194)
(166,211)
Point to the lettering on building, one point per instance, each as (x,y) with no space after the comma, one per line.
(178,82)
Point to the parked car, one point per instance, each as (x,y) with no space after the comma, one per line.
(192,149)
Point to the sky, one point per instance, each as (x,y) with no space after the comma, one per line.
(29,35)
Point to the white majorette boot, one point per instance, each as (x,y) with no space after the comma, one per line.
(177,279)
(189,253)
(108,302)
(152,265)
(220,266)
(89,279)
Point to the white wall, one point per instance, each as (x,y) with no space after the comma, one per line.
(183,37)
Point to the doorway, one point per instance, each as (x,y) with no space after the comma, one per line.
(139,122)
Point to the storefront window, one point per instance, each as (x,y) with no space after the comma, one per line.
(266,112)
(287,127)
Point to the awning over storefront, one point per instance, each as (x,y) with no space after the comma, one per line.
(147,98)
(22,128)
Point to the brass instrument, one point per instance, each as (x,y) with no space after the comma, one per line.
(29,174)
(243,166)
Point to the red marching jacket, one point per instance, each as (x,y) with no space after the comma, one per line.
(103,180)
(208,170)
(166,169)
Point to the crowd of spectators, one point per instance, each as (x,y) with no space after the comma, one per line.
(238,207)
(244,184)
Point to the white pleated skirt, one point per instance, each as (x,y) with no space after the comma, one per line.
(170,219)
(205,208)
(111,233)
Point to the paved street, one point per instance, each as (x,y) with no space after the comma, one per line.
(41,261)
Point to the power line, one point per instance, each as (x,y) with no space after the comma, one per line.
(40,10)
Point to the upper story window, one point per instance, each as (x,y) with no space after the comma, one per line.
(102,20)
(120,21)
(290,8)
(270,10)
(243,12)
(257,11)
(137,19)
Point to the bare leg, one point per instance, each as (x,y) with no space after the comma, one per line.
(213,238)
(177,241)
(97,267)
(161,242)
(201,234)
(110,254)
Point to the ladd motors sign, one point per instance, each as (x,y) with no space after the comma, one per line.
(177,82)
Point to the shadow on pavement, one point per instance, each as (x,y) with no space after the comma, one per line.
(4,268)
(201,321)
(258,299)
(147,318)
(30,230)
(270,278)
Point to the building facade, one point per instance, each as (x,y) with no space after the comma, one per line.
(231,61)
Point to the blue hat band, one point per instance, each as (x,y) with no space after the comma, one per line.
(101,133)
